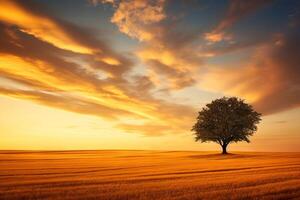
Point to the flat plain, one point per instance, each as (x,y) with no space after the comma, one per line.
(148,175)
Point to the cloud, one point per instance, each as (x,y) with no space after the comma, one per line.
(44,57)
(94,83)
(283,60)
(178,77)
(57,32)
(173,121)
(214,37)
(270,80)
(13,13)
(237,9)
(165,51)
(95,2)
(79,72)
(136,18)
(65,102)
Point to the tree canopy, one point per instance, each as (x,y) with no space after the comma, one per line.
(226,120)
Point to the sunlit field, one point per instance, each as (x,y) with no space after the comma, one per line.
(148,175)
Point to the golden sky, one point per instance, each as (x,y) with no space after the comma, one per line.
(107,74)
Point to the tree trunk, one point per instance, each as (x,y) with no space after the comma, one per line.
(224,149)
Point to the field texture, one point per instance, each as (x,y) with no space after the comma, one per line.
(148,175)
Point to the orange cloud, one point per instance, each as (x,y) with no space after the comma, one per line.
(214,37)
(135,18)
(111,61)
(39,26)
(62,78)
(98,81)
(168,58)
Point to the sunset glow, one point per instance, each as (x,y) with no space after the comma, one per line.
(108,74)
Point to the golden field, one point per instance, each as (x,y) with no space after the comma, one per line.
(148,175)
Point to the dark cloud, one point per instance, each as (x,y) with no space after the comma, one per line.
(236,11)
(270,79)
(284,61)
(239,9)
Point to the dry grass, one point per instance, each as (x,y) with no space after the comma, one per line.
(148,175)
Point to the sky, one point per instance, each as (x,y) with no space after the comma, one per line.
(133,74)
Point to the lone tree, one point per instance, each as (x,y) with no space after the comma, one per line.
(226,120)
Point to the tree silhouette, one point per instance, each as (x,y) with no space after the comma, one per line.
(226,120)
